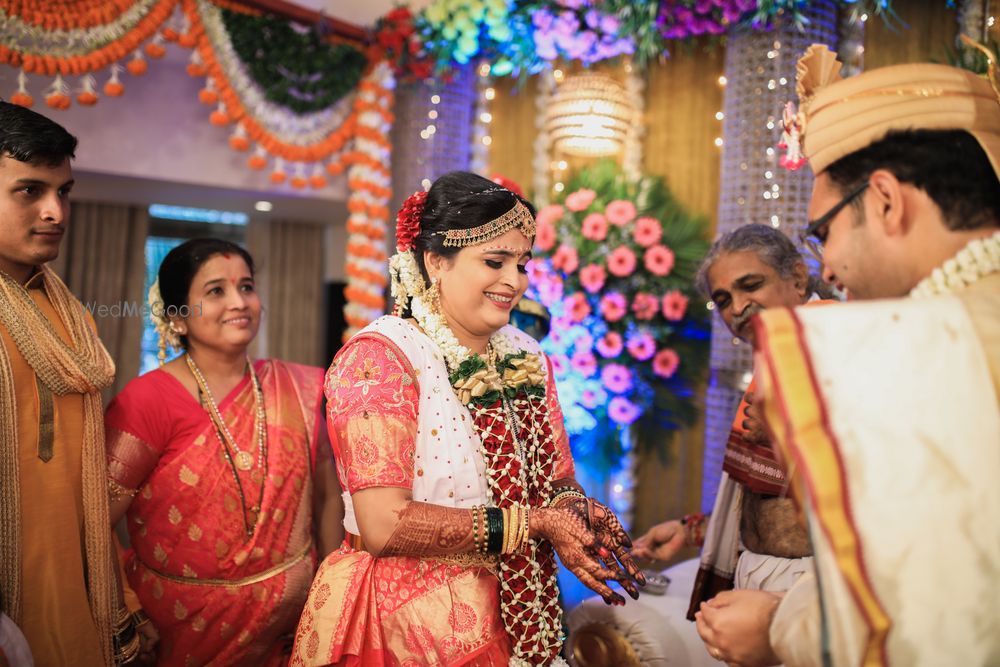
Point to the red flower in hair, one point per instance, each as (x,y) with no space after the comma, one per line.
(408,220)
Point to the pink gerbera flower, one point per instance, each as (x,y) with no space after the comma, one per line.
(545,236)
(620,212)
(616,378)
(577,307)
(623,411)
(566,259)
(549,214)
(647,231)
(584,363)
(612,307)
(594,227)
(641,346)
(621,262)
(580,200)
(665,363)
(674,306)
(645,306)
(659,260)
(592,278)
(610,345)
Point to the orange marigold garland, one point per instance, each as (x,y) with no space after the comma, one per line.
(307,138)
(368,177)
(59,39)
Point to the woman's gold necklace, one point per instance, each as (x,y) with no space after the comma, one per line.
(237,458)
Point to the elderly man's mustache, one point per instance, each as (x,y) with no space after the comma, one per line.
(740,320)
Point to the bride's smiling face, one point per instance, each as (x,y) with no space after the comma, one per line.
(481,284)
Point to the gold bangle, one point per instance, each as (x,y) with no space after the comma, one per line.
(484,542)
(129,651)
(139,618)
(563,495)
(475,528)
(507,532)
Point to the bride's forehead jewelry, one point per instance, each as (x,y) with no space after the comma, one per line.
(518,217)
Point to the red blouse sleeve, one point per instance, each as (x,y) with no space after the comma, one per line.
(137,428)
(372,399)
(564,467)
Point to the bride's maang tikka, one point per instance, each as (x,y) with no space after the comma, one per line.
(518,217)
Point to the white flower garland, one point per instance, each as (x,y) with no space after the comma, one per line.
(976,260)
(437,329)
(300,130)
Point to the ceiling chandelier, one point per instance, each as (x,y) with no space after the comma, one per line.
(590,115)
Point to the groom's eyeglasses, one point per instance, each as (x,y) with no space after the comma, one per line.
(814,235)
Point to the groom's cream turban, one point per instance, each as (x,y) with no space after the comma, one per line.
(840,116)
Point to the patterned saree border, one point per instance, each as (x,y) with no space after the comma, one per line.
(805,434)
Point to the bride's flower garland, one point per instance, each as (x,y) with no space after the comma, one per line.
(508,407)
(978,259)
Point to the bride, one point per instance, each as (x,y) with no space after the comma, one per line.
(450,443)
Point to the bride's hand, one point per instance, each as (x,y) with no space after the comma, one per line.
(582,550)
(612,536)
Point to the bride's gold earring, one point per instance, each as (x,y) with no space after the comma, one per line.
(434,295)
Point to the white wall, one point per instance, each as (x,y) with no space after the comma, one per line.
(154,144)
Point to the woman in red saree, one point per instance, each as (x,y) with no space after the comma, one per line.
(220,466)
(449,439)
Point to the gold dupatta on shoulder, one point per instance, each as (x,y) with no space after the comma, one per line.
(83,367)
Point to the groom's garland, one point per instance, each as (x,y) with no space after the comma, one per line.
(506,397)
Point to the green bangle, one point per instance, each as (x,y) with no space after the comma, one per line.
(494,519)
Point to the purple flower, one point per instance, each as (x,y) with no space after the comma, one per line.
(559,363)
(566,25)
(542,20)
(609,24)
(545,47)
(572,4)
(584,363)
(641,346)
(616,378)
(592,18)
(590,399)
(623,411)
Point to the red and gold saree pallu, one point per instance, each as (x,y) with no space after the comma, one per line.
(216,594)
(887,416)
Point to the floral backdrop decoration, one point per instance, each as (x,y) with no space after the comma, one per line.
(615,264)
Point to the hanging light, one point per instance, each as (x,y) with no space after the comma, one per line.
(590,115)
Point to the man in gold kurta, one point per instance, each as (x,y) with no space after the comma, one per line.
(57,561)
(888,410)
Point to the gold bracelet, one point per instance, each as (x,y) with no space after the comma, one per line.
(123,619)
(484,542)
(128,652)
(563,495)
(526,528)
(117,491)
(508,515)
(475,528)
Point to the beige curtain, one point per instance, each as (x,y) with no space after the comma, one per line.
(103,262)
(289,256)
